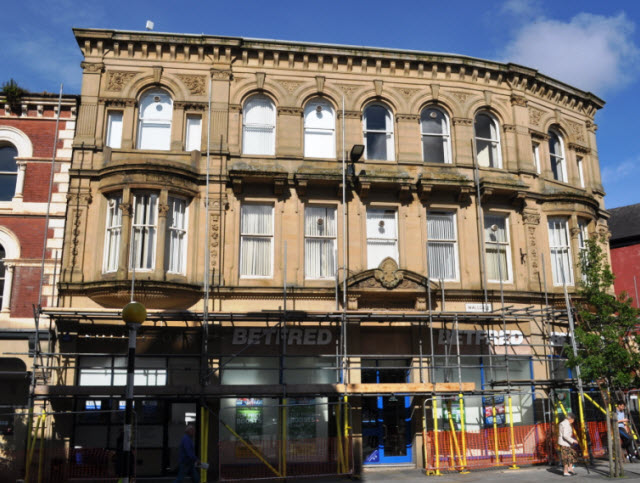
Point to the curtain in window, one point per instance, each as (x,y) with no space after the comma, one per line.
(435,136)
(259,126)
(382,236)
(112,234)
(154,127)
(114,129)
(487,141)
(319,130)
(497,247)
(176,241)
(441,232)
(144,230)
(378,133)
(320,242)
(256,232)
(559,245)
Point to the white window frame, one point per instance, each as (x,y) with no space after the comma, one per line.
(580,163)
(559,159)
(193,133)
(385,212)
(494,143)
(246,236)
(158,97)
(14,174)
(267,125)
(489,220)
(177,262)
(114,129)
(311,110)
(148,230)
(112,234)
(560,249)
(535,147)
(388,132)
(331,239)
(445,135)
(450,241)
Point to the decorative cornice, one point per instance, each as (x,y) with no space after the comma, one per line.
(190,105)
(579,148)
(92,67)
(407,117)
(519,101)
(117,102)
(510,128)
(539,135)
(350,114)
(462,121)
(291,111)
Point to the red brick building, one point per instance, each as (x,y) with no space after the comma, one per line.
(27,155)
(625,249)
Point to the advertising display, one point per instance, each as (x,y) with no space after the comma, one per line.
(488,403)
(249,418)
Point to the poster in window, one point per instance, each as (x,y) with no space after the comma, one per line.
(302,418)
(249,418)
(489,402)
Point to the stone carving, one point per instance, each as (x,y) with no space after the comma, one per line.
(462,121)
(292,111)
(214,238)
(407,117)
(195,83)
(531,217)
(117,80)
(519,101)
(290,86)
(535,115)
(461,96)
(387,273)
(163,209)
(348,89)
(576,130)
(408,93)
(533,250)
(92,67)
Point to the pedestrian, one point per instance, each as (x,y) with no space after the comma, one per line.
(566,442)
(623,429)
(187,458)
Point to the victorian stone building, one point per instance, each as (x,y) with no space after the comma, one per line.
(212,168)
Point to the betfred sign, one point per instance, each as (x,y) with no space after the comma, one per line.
(311,336)
(478,337)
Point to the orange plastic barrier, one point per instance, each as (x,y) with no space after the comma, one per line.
(534,444)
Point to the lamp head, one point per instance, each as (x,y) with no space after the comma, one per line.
(134,313)
(356,152)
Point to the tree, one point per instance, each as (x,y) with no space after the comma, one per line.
(13,93)
(607,340)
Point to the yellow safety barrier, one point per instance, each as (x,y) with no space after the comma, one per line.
(341,464)
(452,428)
(435,436)
(513,439)
(564,411)
(595,403)
(41,455)
(31,445)
(204,442)
(252,449)
(495,431)
(463,432)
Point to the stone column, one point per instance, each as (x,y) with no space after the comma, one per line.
(288,139)
(6,292)
(22,167)
(125,235)
(163,211)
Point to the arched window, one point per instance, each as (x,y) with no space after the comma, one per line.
(154,126)
(556,156)
(378,133)
(8,172)
(319,130)
(259,126)
(487,141)
(436,145)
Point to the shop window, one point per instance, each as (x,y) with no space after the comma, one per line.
(193,133)
(487,141)
(319,130)
(378,133)
(497,248)
(559,244)
(155,116)
(442,246)
(112,234)
(557,157)
(319,242)
(382,236)
(256,240)
(8,172)
(145,221)
(259,126)
(176,240)
(112,371)
(114,129)
(436,143)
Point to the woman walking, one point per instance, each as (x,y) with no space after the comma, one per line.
(566,442)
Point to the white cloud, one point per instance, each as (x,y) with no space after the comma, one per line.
(521,7)
(591,52)
(613,174)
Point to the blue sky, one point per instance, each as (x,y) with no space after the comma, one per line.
(593,45)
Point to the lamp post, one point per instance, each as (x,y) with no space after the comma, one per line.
(133,314)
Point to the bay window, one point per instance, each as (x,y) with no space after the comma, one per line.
(112,234)
(442,245)
(560,246)
(145,226)
(382,236)
(319,242)
(256,240)
(176,240)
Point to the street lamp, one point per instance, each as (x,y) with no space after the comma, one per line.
(133,314)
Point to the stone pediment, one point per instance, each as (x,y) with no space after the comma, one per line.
(388,276)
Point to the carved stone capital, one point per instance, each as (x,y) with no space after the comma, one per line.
(92,67)
(462,121)
(163,210)
(190,105)
(530,217)
(126,209)
(221,74)
(117,102)
(517,100)
(539,135)
(510,128)
(578,148)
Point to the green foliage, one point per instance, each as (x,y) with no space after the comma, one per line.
(13,93)
(608,348)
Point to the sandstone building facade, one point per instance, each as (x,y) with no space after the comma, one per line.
(215,158)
